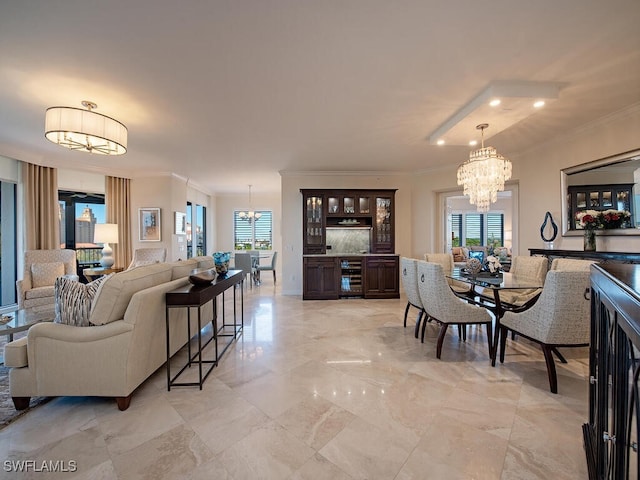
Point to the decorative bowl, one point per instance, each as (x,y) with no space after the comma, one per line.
(202,276)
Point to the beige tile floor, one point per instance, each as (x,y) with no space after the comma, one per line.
(335,390)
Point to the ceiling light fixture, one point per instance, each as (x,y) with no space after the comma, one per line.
(85,130)
(484,174)
(250,214)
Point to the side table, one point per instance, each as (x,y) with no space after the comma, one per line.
(24,319)
(92,274)
(196,296)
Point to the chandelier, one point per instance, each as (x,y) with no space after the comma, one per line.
(484,174)
(249,215)
(85,130)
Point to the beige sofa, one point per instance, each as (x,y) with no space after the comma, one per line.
(125,345)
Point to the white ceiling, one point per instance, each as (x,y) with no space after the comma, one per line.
(228,93)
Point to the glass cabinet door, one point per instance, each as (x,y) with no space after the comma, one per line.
(349,205)
(333,205)
(383,225)
(314,229)
(364,205)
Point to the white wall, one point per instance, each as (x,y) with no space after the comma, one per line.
(292,182)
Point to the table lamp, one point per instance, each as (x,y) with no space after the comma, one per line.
(106,233)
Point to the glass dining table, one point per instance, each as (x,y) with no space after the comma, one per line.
(484,290)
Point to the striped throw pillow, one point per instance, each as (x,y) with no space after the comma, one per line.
(74,299)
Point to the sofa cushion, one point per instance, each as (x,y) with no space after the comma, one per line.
(182,268)
(45,274)
(74,300)
(114,294)
(15,353)
(204,261)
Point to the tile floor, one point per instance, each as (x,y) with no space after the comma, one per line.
(326,390)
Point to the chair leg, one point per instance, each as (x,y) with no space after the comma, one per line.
(123,402)
(443,331)
(21,403)
(424,326)
(559,355)
(406,312)
(462,332)
(504,332)
(274,277)
(490,338)
(551,368)
(418,320)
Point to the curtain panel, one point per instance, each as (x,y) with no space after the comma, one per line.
(117,200)
(42,213)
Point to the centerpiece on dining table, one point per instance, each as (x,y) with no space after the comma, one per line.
(592,220)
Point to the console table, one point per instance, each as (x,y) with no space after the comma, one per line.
(612,431)
(196,296)
(600,257)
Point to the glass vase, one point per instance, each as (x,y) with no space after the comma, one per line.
(589,240)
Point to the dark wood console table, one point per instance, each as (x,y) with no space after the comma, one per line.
(612,431)
(194,296)
(600,257)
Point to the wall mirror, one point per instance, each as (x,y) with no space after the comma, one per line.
(608,183)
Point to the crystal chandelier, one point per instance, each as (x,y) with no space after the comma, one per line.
(484,174)
(249,215)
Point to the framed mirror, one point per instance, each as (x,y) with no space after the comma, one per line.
(609,183)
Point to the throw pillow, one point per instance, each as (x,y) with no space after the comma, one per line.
(74,300)
(45,274)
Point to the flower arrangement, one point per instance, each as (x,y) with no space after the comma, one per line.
(493,264)
(606,219)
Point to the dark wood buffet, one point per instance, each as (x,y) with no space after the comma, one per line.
(373,273)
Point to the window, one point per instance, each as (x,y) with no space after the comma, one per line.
(253,234)
(199,234)
(8,251)
(79,213)
(477,229)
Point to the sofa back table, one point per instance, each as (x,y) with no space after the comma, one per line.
(196,296)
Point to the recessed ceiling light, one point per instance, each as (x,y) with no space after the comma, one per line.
(495,102)
(539,104)
(473,142)
(440,142)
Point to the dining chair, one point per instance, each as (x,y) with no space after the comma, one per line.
(242,261)
(523,266)
(571,264)
(272,266)
(444,307)
(560,318)
(408,274)
(447,263)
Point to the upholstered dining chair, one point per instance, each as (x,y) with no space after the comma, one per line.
(408,274)
(571,264)
(242,261)
(41,268)
(447,263)
(523,266)
(444,307)
(560,318)
(146,256)
(271,266)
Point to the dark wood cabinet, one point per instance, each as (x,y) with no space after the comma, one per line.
(348,208)
(615,196)
(612,431)
(382,277)
(320,278)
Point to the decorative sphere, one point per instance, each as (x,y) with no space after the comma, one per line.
(474,266)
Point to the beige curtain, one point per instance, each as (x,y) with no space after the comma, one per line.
(117,200)
(42,214)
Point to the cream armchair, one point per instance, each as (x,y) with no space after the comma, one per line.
(41,268)
(147,256)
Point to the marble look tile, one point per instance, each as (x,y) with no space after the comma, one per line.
(268,453)
(319,468)
(175,452)
(364,451)
(315,421)
(103,471)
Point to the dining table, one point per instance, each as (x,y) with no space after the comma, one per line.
(482,283)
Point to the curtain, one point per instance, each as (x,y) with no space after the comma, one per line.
(42,213)
(117,200)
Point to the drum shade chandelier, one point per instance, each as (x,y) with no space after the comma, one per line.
(250,215)
(85,130)
(484,174)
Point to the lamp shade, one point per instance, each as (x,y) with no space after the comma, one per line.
(105,233)
(85,130)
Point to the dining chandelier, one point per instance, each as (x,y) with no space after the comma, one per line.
(250,214)
(484,174)
(85,130)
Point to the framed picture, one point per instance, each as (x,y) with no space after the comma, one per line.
(180,223)
(149,221)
